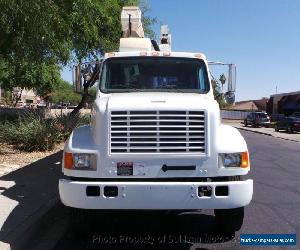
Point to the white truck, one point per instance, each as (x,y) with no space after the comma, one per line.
(155,140)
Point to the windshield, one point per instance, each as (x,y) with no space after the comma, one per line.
(161,74)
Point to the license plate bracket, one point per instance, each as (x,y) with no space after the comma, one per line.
(125,168)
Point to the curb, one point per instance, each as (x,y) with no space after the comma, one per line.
(263,133)
(257,132)
(20,237)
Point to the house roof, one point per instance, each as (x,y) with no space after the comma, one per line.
(252,104)
(246,105)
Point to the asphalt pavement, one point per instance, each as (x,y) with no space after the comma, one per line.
(26,195)
(275,208)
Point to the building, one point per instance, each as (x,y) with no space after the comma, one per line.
(284,103)
(27,96)
(253,105)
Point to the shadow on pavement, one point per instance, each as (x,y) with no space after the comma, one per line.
(35,187)
(146,230)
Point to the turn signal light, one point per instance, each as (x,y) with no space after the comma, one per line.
(68,160)
(244,160)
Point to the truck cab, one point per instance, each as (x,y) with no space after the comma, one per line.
(155,140)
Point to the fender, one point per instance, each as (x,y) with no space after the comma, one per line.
(80,141)
(230,140)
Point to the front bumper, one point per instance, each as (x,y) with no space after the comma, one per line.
(155,195)
(265,124)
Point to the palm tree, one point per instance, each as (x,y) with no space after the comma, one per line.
(222,80)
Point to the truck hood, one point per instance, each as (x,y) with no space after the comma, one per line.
(158,101)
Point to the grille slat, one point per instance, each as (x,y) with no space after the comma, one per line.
(154,137)
(158,126)
(161,142)
(154,120)
(157,132)
(160,115)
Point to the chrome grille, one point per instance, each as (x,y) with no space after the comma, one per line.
(157,132)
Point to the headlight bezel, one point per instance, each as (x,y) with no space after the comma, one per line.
(233,160)
(88,161)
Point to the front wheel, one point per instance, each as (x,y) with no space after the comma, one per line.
(229,220)
(290,130)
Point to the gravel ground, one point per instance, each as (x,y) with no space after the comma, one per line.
(12,159)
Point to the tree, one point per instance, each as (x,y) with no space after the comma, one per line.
(64,92)
(147,20)
(42,77)
(47,33)
(218,93)
(61,30)
(222,80)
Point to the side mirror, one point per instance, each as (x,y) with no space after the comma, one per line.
(229,97)
(77,78)
(85,73)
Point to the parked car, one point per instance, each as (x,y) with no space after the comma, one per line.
(20,104)
(257,119)
(289,124)
(276,117)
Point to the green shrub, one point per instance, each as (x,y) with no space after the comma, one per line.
(8,117)
(33,133)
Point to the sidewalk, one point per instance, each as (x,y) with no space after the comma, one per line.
(266,131)
(25,196)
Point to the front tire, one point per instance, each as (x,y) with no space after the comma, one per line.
(289,130)
(229,220)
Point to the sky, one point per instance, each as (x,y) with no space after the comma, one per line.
(261,37)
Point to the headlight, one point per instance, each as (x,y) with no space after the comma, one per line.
(234,160)
(80,161)
(84,161)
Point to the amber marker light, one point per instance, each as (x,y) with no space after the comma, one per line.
(110,54)
(68,160)
(244,160)
(198,56)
